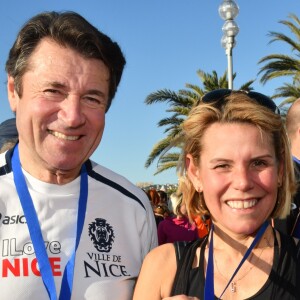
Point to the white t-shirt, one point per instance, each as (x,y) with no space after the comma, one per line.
(119,230)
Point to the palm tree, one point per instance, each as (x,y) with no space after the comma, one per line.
(278,65)
(180,104)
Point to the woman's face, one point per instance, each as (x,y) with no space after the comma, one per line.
(238,174)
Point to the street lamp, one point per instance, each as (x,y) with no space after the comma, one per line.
(228,10)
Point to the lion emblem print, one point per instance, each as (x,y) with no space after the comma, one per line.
(101,234)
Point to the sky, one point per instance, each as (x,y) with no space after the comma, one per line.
(165,42)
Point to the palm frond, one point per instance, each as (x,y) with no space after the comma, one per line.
(179,105)
(165,96)
(281,65)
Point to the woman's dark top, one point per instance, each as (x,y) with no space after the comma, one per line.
(283,282)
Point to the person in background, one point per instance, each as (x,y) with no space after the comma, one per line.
(160,213)
(8,134)
(237,167)
(153,196)
(203,224)
(163,197)
(176,227)
(163,203)
(291,224)
(70,228)
(159,210)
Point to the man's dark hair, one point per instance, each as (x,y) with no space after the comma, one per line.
(68,29)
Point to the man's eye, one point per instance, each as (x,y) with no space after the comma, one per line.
(51,91)
(94,102)
(54,95)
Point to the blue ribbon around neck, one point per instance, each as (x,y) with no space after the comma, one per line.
(209,293)
(36,233)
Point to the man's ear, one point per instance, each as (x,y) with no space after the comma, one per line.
(13,96)
(193,173)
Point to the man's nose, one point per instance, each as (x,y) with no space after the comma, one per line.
(71,111)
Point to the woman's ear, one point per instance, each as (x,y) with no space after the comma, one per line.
(13,97)
(193,172)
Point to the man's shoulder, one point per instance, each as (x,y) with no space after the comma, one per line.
(5,162)
(105,173)
(2,159)
(118,182)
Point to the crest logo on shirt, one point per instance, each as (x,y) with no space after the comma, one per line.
(101,234)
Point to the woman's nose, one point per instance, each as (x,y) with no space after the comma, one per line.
(242,179)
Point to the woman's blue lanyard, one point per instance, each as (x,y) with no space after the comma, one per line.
(36,233)
(209,280)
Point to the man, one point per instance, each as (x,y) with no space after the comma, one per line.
(70,229)
(291,225)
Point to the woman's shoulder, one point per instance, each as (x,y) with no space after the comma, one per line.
(161,254)
(160,266)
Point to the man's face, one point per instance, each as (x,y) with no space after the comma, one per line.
(61,114)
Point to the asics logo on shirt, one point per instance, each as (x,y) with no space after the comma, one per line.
(14,219)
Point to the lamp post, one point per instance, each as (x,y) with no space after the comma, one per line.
(228,10)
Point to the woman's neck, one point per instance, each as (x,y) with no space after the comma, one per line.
(237,244)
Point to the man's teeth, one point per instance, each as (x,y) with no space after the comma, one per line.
(242,204)
(64,137)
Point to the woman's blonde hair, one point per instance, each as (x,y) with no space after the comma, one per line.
(237,107)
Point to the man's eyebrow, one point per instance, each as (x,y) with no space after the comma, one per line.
(57,84)
(95,92)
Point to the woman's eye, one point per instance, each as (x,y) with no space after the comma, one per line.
(259,163)
(222,166)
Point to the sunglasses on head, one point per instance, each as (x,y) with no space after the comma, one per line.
(217,95)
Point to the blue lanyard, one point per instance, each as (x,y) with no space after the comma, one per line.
(36,233)
(296,160)
(209,280)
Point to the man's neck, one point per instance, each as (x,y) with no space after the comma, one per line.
(42,171)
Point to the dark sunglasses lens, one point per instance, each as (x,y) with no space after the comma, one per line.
(264,101)
(215,95)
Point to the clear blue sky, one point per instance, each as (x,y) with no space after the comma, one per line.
(165,42)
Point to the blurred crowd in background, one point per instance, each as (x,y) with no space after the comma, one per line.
(171,218)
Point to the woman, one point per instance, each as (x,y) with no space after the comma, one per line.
(238,169)
(176,227)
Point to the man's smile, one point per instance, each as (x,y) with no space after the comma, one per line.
(63,136)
